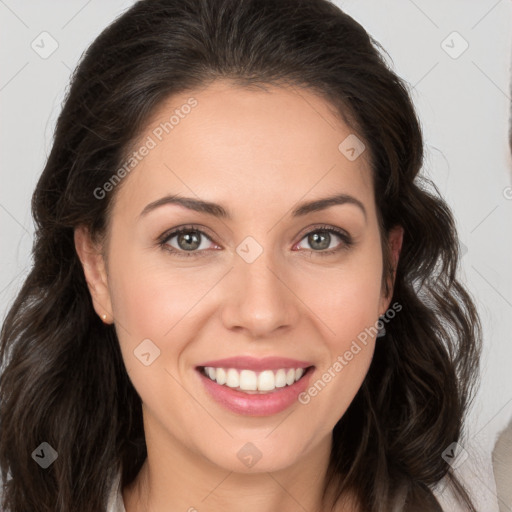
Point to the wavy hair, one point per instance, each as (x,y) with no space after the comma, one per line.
(64,381)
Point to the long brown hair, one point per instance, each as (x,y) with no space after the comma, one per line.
(64,381)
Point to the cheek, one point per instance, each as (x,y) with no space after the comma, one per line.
(347,296)
(155,299)
(346,300)
(150,296)
(348,310)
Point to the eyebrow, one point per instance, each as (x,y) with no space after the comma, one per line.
(216,210)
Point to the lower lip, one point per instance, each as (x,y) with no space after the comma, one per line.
(263,404)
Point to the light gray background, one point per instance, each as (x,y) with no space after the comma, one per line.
(463,103)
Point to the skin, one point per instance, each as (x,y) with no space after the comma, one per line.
(258,153)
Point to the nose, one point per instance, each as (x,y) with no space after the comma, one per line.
(259,297)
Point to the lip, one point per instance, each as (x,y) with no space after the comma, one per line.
(255,364)
(264,404)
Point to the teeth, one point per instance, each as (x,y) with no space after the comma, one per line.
(220,375)
(232,378)
(280,380)
(247,380)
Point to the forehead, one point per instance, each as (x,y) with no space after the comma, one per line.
(246,147)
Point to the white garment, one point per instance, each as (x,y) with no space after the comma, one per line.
(115,500)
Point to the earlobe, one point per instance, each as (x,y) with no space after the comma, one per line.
(93,265)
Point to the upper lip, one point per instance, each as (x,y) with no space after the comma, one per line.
(256,364)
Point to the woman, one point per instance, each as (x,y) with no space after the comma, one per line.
(244,296)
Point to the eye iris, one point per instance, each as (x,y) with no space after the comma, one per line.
(189,238)
(315,237)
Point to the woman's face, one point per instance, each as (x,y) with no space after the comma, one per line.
(264,280)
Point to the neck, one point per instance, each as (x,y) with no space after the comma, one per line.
(174,477)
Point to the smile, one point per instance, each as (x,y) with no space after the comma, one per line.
(254,393)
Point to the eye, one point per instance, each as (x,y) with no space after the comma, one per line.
(321,237)
(190,241)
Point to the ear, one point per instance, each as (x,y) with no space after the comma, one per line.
(95,272)
(395,240)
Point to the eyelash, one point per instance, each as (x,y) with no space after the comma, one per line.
(346,244)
